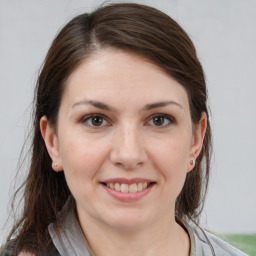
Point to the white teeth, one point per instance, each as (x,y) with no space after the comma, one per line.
(139,187)
(125,188)
(133,188)
(117,187)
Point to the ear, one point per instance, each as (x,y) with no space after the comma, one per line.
(197,141)
(51,143)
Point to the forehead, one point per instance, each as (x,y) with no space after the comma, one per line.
(111,74)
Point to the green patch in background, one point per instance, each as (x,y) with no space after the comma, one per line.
(245,243)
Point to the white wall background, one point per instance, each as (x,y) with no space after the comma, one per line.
(224,32)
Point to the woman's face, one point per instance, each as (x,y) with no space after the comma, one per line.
(124,125)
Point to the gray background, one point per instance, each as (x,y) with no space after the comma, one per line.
(225,36)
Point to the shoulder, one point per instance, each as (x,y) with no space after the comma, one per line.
(210,243)
(11,249)
(223,247)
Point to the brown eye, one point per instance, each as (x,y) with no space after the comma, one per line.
(97,120)
(161,120)
(158,120)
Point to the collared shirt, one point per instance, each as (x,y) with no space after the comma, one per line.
(69,240)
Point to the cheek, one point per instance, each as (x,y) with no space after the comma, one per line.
(82,161)
(172,153)
(171,159)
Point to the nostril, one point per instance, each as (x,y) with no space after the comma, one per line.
(130,166)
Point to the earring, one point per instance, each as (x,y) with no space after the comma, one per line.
(192,162)
(55,165)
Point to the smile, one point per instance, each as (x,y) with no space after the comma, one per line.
(128,188)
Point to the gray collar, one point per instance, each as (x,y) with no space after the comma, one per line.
(69,239)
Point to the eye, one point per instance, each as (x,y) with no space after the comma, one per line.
(161,120)
(95,120)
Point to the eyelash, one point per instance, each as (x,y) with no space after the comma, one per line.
(170,120)
(88,118)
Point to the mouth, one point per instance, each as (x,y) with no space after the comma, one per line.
(128,188)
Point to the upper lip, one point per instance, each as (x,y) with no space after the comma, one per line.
(127,181)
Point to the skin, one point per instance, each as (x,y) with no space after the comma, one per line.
(128,143)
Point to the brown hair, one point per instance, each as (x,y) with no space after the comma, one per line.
(130,27)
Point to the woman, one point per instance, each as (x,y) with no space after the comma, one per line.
(121,146)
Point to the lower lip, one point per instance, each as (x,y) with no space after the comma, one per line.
(128,197)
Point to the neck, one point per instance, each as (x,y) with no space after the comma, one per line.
(166,237)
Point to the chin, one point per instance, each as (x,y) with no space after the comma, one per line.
(128,221)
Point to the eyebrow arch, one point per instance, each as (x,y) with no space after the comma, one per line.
(161,104)
(106,107)
(94,103)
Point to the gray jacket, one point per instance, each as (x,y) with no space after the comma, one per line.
(72,242)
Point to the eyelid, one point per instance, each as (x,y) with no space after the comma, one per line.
(170,118)
(84,120)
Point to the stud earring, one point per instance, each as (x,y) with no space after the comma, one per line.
(192,162)
(55,165)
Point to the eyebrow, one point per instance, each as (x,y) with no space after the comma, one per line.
(106,107)
(161,104)
(94,103)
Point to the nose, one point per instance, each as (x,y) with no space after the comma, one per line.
(128,149)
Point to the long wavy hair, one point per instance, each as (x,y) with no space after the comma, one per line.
(130,27)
